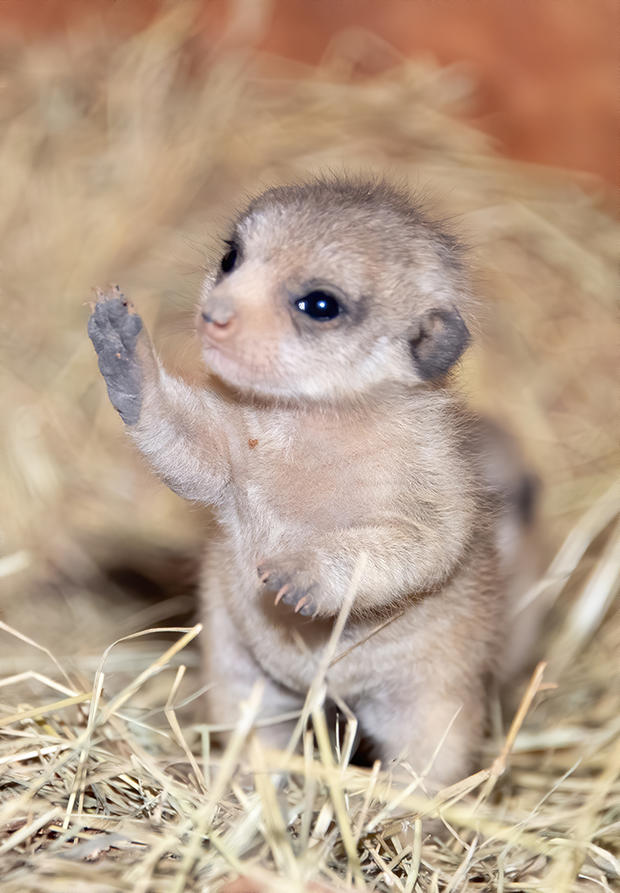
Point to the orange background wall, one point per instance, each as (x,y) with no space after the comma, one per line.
(548,70)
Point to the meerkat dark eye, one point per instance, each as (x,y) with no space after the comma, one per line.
(229,260)
(319,305)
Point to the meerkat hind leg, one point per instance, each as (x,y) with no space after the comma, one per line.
(224,699)
(233,673)
(429,731)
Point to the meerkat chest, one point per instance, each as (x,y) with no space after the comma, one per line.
(315,473)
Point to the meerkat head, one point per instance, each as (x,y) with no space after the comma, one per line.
(328,289)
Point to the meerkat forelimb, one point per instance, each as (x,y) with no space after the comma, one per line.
(177,428)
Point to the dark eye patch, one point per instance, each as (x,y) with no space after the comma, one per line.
(229,260)
(319,305)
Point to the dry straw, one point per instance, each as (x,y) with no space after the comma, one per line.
(117,163)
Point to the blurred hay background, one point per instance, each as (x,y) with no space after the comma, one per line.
(118,163)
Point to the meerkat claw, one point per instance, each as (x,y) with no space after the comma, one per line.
(281,592)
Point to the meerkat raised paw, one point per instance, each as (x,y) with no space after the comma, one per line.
(114,329)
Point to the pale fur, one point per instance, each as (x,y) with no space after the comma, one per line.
(320,440)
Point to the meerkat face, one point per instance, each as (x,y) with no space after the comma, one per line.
(328,289)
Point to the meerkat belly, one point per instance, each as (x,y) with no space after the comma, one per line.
(372,650)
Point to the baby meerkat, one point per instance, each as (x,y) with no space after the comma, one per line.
(330,328)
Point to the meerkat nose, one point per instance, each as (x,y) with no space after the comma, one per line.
(219,318)
(217,328)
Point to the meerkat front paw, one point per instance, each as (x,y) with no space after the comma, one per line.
(292,584)
(114,328)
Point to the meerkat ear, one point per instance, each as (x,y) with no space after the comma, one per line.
(439,341)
